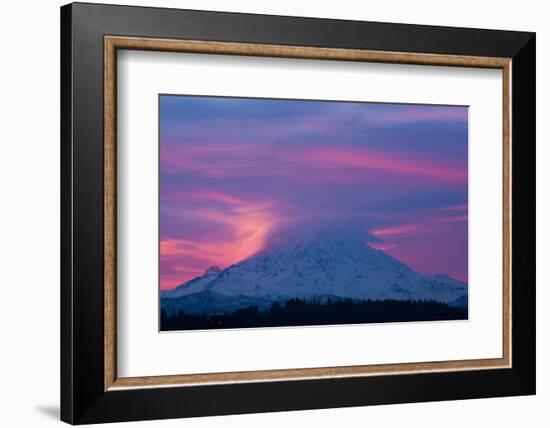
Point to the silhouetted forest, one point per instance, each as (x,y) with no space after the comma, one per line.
(298,312)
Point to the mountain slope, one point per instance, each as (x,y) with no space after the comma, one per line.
(195,285)
(319,264)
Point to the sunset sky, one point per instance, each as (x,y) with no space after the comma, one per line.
(235,171)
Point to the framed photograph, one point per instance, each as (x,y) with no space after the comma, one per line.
(266,213)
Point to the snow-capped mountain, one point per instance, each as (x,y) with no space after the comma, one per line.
(193,286)
(319,264)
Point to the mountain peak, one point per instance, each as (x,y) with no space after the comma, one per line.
(212,270)
(319,234)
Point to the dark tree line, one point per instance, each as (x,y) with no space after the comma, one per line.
(300,312)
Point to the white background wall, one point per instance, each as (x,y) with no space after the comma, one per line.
(29,214)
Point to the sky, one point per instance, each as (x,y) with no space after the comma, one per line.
(236,171)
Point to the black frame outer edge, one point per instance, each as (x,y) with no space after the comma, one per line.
(83,399)
(66,306)
(524,213)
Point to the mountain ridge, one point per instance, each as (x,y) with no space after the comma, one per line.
(317,265)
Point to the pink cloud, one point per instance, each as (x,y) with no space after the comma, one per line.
(387,162)
(396,230)
(452,219)
(438,233)
(249,221)
(234,160)
(408,228)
